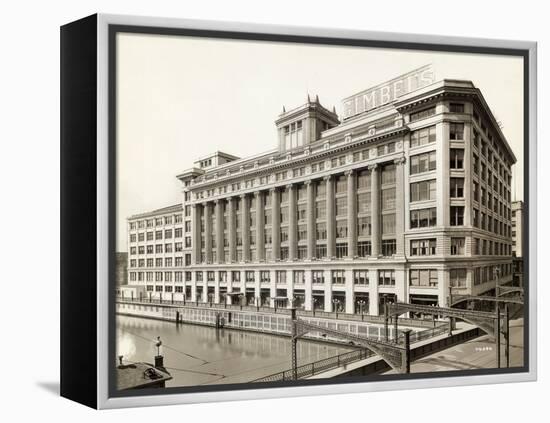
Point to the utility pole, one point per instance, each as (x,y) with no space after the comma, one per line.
(386,317)
(497,337)
(294,339)
(407,357)
(507,334)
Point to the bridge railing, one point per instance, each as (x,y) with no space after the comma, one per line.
(278,310)
(311,369)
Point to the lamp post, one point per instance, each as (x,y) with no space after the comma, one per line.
(361,305)
(314,300)
(336,302)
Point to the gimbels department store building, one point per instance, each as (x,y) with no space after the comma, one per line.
(406,196)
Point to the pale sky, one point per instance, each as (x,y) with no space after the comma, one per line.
(180,98)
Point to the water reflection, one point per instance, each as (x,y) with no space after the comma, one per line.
(197,355)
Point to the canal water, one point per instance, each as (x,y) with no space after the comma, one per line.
(201,355)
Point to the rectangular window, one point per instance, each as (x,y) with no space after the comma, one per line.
(341,206)
(456,131)
(341,250)
(386,277)
(388,224)
(341,229)
(388,174)
(388,199)
(456,158)
(321,229)
(321,251)
(423,247)
(318,276)
(423,136)
(423,190)
(423,163)
(458,278)
(338,277)
(389,247)
(423,218)
(363,226)
(265,276)
(456,107)
(363,202)
(280,276)
(457,188)
(422,114)
(423,278)
(361,277)
(457,215)
(299,277)
(457,246)
(364,248)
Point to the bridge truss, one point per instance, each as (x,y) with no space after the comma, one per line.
(490,323)
(396,354)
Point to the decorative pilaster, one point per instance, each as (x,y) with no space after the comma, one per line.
(331,225)
(245,226)
(196,234)
(352,214)
(375,210)
(231,230)
(219,231)
(208,232)
(310,219)
(275,224)
(292,226)
(260,241)
(400,206)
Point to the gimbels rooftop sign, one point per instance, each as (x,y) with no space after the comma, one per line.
(388,91)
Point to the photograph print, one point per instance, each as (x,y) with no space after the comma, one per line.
(292,212)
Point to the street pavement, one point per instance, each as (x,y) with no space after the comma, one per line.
(478,353)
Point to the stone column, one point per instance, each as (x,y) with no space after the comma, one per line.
(401,288)
(349,306)
(352,214)
(373,292)
(260,241)
(272,287)
(311,230)
(400,206)
(328,291)
(208,232)
(308,305)
(217,291)
(231,230)
(193,288)
(290,288)
(219,232)
(292,226)
(375,210)
(275,224)
(229,298)
(245,226)
(443,174)
(330,218)
(196,233)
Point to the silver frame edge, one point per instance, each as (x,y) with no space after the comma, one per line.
(103,400)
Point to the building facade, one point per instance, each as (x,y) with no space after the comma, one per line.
(121,269)
(407,197)
(517,228)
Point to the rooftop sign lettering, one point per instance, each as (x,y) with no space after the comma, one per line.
(388,91)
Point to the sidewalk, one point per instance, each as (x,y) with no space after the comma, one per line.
(478,353)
